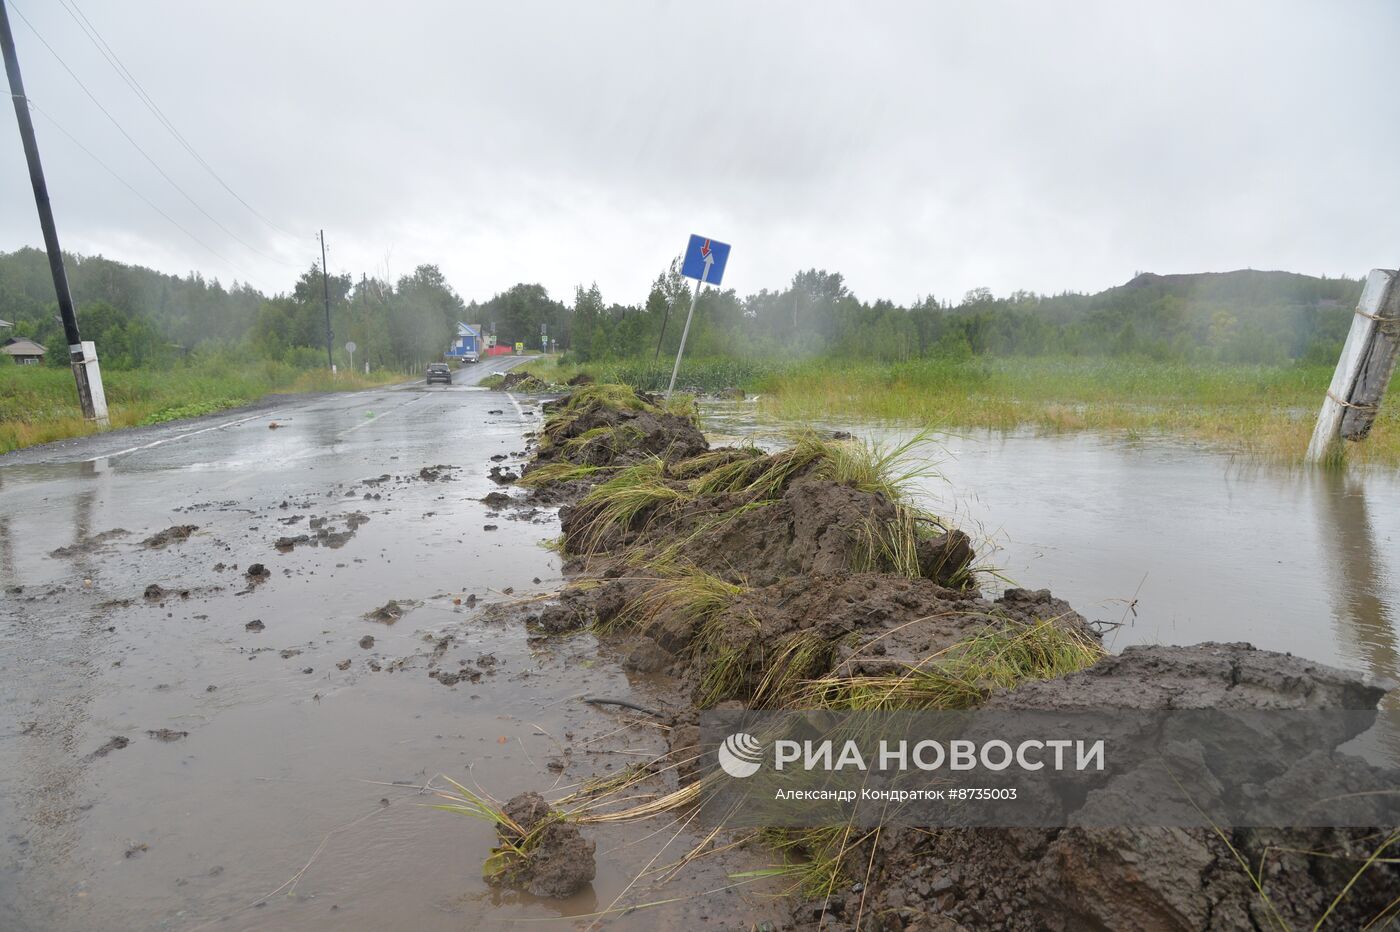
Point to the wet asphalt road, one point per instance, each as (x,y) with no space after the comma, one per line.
(229,753)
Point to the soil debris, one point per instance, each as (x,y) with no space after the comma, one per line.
(168,734)
(387,614)
(502,475)
(541,853)
(112,744)
(173,534)
(89,545)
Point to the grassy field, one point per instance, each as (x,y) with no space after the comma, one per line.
(1264,411)
(39,404)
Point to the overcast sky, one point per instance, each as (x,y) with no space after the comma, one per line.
(918,148)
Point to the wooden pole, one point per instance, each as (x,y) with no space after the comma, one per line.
(1363,371)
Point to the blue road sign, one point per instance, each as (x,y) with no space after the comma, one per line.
(700,250)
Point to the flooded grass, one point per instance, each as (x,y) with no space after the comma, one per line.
(39,404)
(1267,411)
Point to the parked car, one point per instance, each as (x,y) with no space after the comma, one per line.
(471,356)
(439,372)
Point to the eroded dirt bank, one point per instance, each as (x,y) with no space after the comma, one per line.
(804,578)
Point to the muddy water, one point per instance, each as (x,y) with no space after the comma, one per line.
(1178,543)
(295,799)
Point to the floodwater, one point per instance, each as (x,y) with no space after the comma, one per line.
(296,799)
(1178,543)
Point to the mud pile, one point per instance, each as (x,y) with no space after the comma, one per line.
(1143,878)
(607,425)
(540,853)
(803,578)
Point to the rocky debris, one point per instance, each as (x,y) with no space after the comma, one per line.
(342,665)
(136,849)
(257,573)
(173,534)
(367,641)
(255,626)
(154,592)
(112,744)
(387,614)
(496,499)
(285,544)
(168,734)
(503,475)
(488,527)
(554,859)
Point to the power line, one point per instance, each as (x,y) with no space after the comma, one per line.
(137,146)
(125,74)
(148,202)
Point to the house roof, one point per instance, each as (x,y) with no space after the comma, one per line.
(468,330)
(18,347)
(5,323)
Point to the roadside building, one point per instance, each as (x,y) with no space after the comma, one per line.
(24,352)
(468,344)
(5,325)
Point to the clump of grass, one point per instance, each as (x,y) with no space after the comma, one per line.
(190,409)
(959,677)
(618,502)
(551,473)
(798,657)
(813,858)
(688,590)
(515,842)
(725,665)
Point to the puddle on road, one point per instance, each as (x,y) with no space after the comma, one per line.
(1180,543)
(295,799)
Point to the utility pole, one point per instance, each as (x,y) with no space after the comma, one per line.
(81,356)
(326,292)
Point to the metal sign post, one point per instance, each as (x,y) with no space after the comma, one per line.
(350,348)
(705,260)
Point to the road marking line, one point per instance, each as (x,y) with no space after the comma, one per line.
(202,430)
(371,420)
(520,412)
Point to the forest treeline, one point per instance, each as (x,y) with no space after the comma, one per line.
(143,318)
